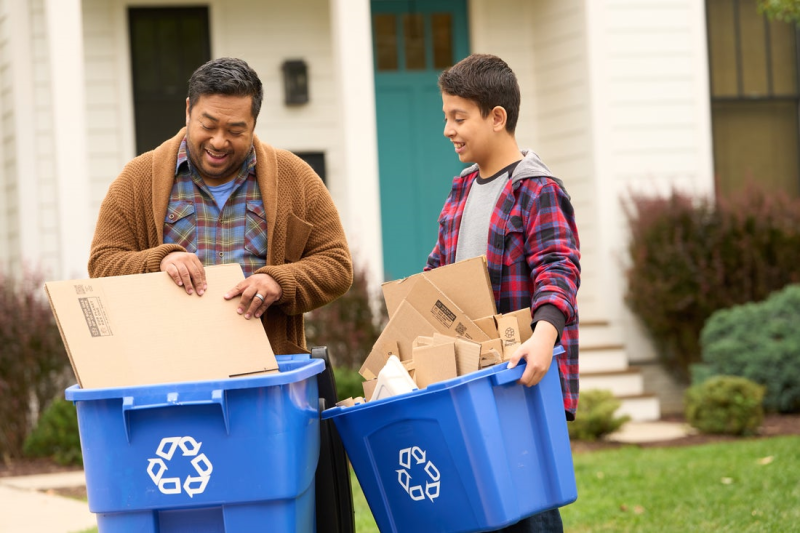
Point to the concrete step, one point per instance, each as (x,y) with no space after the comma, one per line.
(641,407)
(609,358)
(594,334)
(627,382)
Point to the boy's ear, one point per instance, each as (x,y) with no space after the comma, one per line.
(499,117)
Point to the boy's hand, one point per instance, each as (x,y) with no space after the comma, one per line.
(537,351)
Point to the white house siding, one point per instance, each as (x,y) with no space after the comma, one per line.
(47,210)
(29,229)
(563,120)
(104,61)
(7,185)
(651,120)
(544,42)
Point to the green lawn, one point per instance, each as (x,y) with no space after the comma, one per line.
(744,486)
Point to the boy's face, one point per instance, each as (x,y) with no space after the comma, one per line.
(470,133)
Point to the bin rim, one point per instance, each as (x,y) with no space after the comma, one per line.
(430,389)
(308,367)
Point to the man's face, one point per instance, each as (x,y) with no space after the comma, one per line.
(470,133)
(219,132)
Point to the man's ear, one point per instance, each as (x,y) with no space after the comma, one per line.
(499,117)
(187,112)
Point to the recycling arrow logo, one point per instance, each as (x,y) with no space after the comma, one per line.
(189,447)
(414,460)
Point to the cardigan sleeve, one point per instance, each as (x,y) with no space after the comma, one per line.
(125,240)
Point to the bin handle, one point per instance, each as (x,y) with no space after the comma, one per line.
(506,375)
(173,399)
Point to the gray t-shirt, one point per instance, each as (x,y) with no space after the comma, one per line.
(473,235)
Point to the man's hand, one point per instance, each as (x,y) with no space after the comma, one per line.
(537,351)
(259,291)
(186,271)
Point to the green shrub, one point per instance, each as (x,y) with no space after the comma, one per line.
(727,405)
(761,342)
(348,383)
(347,326)
(596,416)
(691,257)
(34,366)
(56,435)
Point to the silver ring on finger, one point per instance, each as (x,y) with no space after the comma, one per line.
(260,297)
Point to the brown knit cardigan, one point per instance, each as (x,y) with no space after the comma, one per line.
(307,250)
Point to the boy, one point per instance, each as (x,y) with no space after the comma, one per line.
(511,196)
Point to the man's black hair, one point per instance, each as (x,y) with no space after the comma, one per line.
(229,76)
(486,80)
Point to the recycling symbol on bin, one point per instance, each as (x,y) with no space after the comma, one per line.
(413,460)
(157,467)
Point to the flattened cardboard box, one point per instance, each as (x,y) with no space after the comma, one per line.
(424,310)
(143,329)
(466,282)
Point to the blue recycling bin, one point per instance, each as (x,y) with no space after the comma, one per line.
(474,453)
(235,455)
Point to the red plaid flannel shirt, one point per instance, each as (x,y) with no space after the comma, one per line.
(533,257)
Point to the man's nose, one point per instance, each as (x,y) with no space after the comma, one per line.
(219,139)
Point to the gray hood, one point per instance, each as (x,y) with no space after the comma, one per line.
(531,166)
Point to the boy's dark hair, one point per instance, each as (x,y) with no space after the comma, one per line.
(488,81)
(229,76)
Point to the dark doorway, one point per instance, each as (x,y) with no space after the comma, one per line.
(167,45)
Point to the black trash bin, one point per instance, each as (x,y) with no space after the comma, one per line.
(334,494)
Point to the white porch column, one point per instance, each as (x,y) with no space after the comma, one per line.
(352,51)
(25,175)
(65,46)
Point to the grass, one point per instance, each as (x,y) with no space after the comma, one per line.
(747,486)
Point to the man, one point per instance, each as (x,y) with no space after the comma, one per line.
(216,194)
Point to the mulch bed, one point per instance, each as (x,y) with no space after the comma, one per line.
(773,426)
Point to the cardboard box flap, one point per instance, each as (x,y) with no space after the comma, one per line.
(442,312)
(143,329)
(434,363)
(400,332)
(466,283)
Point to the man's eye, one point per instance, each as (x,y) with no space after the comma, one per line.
(205,127)
(236,133)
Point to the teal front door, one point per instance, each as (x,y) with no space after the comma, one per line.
(413,42)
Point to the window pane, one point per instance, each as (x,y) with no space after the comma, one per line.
(756,141)
(385,41)
(414,33)
(722,40)
(784,58)
(442,25)
(752,34)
